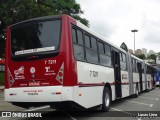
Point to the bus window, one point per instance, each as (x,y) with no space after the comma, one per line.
(94,43)
(124,57)
(74,36)
(80,37)
(78,52)
(107,50)
(105,60)
(120,56)
(35,37)
(101,47)
(123,61)
(92,56)
(87,41)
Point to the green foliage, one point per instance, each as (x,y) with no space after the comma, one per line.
(13,11)
(152,56)
(124,47)
(142,56)
(1,78)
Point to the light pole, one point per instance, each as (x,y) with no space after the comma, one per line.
(134,37)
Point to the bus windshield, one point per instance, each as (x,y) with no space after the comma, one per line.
(36,37)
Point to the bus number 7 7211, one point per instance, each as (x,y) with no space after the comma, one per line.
(93,73)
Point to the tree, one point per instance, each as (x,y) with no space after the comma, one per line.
(13,11)
(69,7)
(142,56)
(152,56)
(124,47)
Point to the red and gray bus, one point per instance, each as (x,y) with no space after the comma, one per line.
(57,61)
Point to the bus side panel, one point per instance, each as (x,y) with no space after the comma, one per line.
(148,81)
(143,81)
(91,81)
(125,83)
(135,80)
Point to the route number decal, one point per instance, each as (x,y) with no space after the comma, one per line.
(50,62)
(93,73)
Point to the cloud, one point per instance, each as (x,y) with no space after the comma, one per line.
(114,19)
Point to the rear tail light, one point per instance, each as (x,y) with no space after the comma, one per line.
(60,74)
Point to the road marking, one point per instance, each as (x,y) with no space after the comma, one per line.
(149,98)
(121,111)
(39,108)
(69,115)
(139,119)
(153,94)
(150,105)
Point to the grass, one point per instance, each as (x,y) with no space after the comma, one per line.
(1,78)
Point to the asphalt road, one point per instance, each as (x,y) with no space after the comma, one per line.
(148,103)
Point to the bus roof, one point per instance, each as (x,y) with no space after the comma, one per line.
(38,18)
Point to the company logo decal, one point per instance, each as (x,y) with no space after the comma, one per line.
(32,70)
(19,74)
(49,71)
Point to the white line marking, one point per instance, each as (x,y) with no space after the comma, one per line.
(139,119)
(121,111)
(150,98)
(69,115)
(154,94)
(150,105)
(39,108)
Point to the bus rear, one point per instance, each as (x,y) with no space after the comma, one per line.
(38,64)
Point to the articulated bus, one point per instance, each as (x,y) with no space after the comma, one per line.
(157,77)
(57,61)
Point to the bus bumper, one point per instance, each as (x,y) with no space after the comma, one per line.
(39,94)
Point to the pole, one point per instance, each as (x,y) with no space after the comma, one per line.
(134,43)
(134,37)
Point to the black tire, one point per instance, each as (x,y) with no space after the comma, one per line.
(106,99)
(136,91)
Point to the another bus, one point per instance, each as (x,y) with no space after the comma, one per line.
(57,61)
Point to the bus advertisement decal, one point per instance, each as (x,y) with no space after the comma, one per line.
(19,74)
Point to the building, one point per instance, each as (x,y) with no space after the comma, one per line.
(138,52)
(144,51)
(130,51)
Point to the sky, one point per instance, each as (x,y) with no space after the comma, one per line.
(114,19)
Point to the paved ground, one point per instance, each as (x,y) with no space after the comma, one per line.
(147,101)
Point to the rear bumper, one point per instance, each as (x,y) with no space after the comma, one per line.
(39,94)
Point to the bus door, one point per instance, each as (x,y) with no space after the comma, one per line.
(139,66)
(117,74)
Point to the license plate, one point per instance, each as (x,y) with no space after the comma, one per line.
(35,83)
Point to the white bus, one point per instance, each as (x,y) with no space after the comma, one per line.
(58,61)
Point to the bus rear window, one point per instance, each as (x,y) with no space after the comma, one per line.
(35,37)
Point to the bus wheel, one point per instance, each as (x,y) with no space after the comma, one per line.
(106,100)
(136,92)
